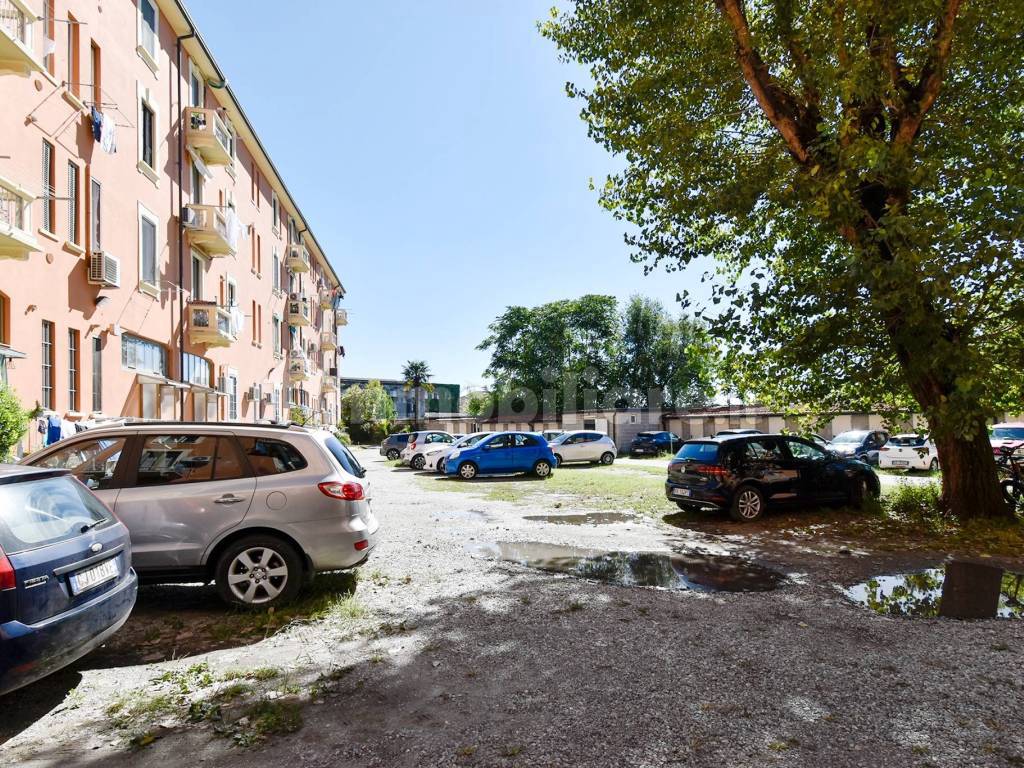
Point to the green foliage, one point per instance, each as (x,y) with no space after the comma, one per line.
(417,378)
(298,415)
(367,412)
(479,404)
(13,421)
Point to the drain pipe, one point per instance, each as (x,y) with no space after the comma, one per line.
(181,235)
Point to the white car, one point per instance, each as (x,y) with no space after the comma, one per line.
(414,453)
(909,452)
(435,457)
(583,445)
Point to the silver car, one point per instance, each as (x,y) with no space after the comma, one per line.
(257,509)
(583,445)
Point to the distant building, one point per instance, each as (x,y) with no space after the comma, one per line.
(443,400)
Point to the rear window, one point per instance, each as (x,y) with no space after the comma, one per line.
(271,457)
(344,457)
(646,434)
(36,513)
(402,438)
(908,441)
(699,452)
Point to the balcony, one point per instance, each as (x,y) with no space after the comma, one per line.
(299,368)
(329,385)
(210,324)
(341,317)
(328,341)
(208,228)
(299,312)
(327,296)
(16,27)
(208,134)
(16,238)
(297,259)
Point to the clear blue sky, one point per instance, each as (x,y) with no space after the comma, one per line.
(458,167)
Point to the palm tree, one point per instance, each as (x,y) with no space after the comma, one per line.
(417,378)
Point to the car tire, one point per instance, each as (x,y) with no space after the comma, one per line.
(607,458)
(258,572)
(865,458)
(392,454)
(542,469)
(933,466)
(748,504)
(860,492)
(467,470)
(440,466)
(558,460)
(418,461)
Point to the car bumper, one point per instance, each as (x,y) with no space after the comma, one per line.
(647,450)
(29,652)
(695,497)
(432,462)
(330,544)
(885,462)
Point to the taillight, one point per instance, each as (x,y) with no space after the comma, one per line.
(344,491)
(884,448)
(412,446)
(711,470)
(361,545)
(6,573)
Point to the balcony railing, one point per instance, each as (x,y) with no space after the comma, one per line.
(16,45)
(329,384)
(210,324)
(327,296)
(299,312)
(16,238)
(297,259)
(209,229)
(299,368)
(208,134)
(341,317)
(328,341)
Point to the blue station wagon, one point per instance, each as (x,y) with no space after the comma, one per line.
(66,581)
(505,453)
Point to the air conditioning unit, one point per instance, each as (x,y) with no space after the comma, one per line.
(190,218)
(104,269)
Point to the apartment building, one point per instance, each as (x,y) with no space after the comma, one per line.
(153,264)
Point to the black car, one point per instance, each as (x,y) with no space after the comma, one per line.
(654,444)
(393,445)
(745,474)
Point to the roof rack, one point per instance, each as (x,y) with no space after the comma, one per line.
(232,424)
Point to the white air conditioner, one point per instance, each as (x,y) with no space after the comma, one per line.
(104,269)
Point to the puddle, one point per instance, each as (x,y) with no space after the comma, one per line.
(590,518)
(692,571)
(958,590)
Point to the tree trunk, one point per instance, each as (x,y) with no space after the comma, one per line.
(970,486)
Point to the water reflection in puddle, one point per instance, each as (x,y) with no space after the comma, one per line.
(958,590)
(590,518)
(694,571)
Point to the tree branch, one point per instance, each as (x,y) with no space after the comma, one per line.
(927,90)
(779,107)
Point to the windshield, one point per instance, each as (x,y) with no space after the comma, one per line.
(561,438)
(1008,433)
(468,441)
(857,436)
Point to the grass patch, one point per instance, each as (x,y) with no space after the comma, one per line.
(266,718)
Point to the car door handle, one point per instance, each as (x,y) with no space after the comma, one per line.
(228,499)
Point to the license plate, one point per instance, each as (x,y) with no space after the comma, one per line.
(900,463)
(680,491)
(92,577)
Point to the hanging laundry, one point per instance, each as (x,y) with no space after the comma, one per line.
(237,321)
(67,429)
(197,161)
(96,119)
(234,228)
(108,135)
(49,47)
(53,429)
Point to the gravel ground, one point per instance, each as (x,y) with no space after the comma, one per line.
(462,660)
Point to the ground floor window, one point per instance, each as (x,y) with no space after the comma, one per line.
(232,397)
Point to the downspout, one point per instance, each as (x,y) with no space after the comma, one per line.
(181,234)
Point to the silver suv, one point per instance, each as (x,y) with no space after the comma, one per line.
(258,509)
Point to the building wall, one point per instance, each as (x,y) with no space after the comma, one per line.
(52,283)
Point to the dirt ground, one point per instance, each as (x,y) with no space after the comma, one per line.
(439,654)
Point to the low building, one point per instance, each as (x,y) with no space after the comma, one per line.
(443,399)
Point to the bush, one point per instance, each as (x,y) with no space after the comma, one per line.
(13,421)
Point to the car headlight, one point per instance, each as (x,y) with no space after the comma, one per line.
(455,454)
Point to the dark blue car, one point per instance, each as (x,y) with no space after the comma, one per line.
(654,444)
(504,453)
(66,581)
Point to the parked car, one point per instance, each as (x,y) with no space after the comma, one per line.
(66,581)
(745,474)
(583,446)
(862,444)
(817,439)
(257,509)
(551,434)
(435,458)
(727,432)
(502,454)
(392,446)
(910,451)
(1009,434)
(414,454)
(654,444)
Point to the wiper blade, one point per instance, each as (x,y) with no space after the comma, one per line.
(89,526)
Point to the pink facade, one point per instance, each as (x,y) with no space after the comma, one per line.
(98,291)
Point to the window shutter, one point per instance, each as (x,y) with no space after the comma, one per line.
(47,189)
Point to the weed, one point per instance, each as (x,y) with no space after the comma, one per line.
(466,751)
(263,673)
(266,718)
(511,751)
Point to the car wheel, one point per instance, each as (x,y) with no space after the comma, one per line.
(418,461)
(258,571)
(558,460)
(933,466)
(542,468)
(467,471)
(392,454)
(865,458)
(607,458)
(748,504)
(440,466)
(860,492)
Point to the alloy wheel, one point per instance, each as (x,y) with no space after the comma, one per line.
(467,471)
(257,575)
(749,504)
(543,469)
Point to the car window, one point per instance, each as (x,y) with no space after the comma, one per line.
(404,438)
(229,464)
(856,436)
(499,441)
(763,450)
(805,451)
(698,452)
(524,441)
(91,461)
(175,459)
(36,513)
(344,457)
(271,457)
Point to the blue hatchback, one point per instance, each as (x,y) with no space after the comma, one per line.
(504,453)
(66,581)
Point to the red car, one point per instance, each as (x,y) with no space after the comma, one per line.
(1007,435)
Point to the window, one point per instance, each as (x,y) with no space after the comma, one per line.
(271,457)
(230,293)
(49,186)
(197,370)
(763,450)
(526,441)
(805,451)
(95,74)
(276,402)
(143,356)
(258,321)
(344,457)
(259,255)
(97,373)
(254,324)
(198,266)
(233,396)
(197,183)
(73,56)
(275,325)
(47,401)
(275,210)
(72,203)
(46,512)
(147,248)
(96,215)
(176,459)
(48,30)
(74,364)
(5,320)
(275,265)
(147,127)
(148,29)
(196,91)
(91,461)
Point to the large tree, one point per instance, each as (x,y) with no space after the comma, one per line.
(855,170)
(417,377)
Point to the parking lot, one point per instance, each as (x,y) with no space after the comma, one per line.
(446,651)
